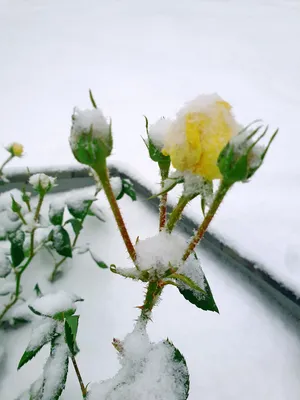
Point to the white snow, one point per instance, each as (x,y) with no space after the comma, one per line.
(160,252)
(42,331)
(42,180)
(5,266)
(78,200)
(116,185)
(195,184)
(192,269)
(5,198)
(158,132)
(54,303)
(7,287)
(88,121)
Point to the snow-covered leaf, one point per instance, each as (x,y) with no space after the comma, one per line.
(98,260)
(55,305)
(129,189)
(56,213)
(16,247)
(61,241)
(78,207)
(196,280)
(76,225)
(56,370)
(5,266)
(41,334)
(96,211)
(7,288)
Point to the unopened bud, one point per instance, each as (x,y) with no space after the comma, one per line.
(42,183)
(16,149)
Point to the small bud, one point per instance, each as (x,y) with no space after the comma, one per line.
(91,137)
(243,156)
(16,149)
(42,183)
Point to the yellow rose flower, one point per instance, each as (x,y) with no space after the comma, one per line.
(16,149)
(198,135)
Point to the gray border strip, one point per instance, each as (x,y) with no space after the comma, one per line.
(79,177)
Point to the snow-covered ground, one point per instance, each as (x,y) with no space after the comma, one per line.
(149,58)
(251,350)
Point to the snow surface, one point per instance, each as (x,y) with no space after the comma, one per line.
(251,350)
(149,59)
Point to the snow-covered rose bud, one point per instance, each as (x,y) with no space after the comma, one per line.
(243,156)
(91,136)
(199,133)
(158,132)
(16,149)
(42,183)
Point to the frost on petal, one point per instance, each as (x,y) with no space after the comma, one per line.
(54,303)
(158,252)
(89,121)
(158,131)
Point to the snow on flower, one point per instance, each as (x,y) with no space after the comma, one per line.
(42,181)
(200,131)
(158,252)
(89,121)
(158,131)
(16,149)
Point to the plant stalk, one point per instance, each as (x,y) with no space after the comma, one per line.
(222,191)
(102,172)
(11,156)
(79,377)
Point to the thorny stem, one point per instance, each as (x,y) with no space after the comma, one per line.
(102,172)
(36,217)
(79,377)
(11,156)
(60,262)
(223,189)
(153,292)
(177,211)
(164,171)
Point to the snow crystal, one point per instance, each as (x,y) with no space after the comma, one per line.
(116,185)
(56,206)
(42,331)
(54,303)
(193,184)
(42,180)
(149,372)
(86,121)
(31,224)
(158,131)
(157,252)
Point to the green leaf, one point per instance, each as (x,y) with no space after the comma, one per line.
(92,99)
(37,290)
(47,332)
(95,211)
(71,327)
(60,316)
(181,366)
(98,261)
(16,247)
(61,241)
(127,188)
(195,287)
(76,225)
(154,153)
(56,214)
(80,210)
(15,206)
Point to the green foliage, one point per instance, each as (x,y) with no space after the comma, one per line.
(99,262)
(80,210)
(127,188)
(76,225)
(56,214)
(61,241)
(15,206)
(71,327)
(16,247)
(154,153)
